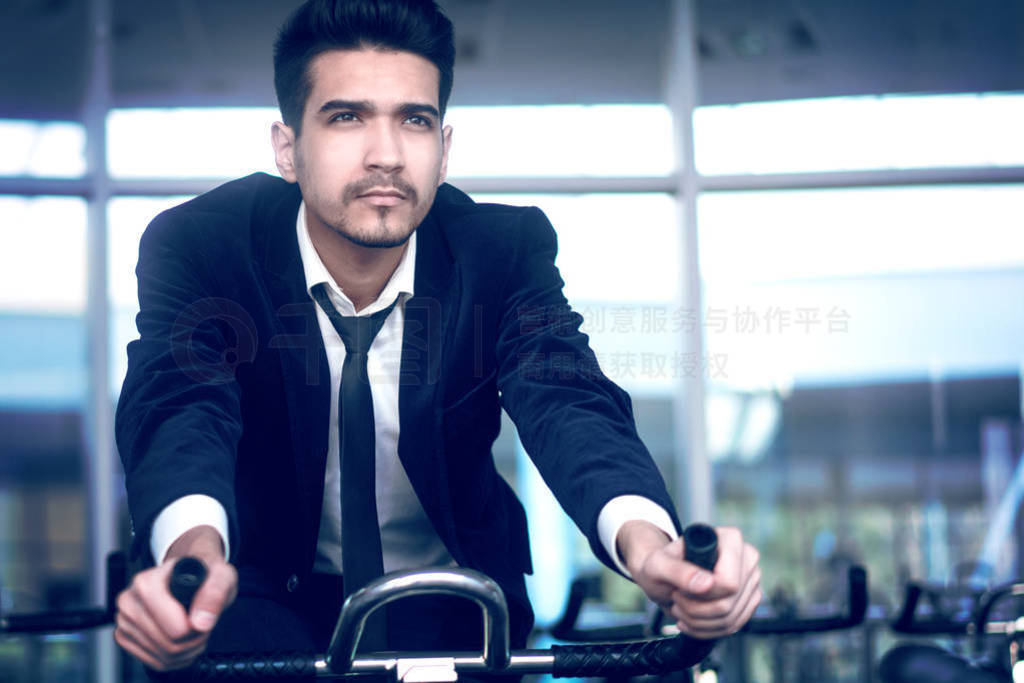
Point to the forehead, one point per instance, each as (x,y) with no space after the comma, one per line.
(373,74)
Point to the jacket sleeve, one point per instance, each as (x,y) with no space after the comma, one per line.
(178,419)
(575,423)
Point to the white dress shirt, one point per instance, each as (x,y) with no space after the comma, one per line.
(408,538)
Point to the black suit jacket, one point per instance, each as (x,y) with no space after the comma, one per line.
(227,391)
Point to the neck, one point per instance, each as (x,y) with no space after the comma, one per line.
(361,272)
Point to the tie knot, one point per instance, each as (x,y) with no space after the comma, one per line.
(356,331)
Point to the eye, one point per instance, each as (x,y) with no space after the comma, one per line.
(421,121)
(343,116)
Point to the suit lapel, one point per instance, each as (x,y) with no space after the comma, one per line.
(306,374)
(428,317)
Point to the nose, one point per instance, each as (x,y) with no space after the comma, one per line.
(384,149)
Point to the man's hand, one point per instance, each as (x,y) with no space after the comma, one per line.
(153,626)
(704,604)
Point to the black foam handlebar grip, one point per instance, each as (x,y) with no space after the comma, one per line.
(186,578)
(701,545)
(629,659)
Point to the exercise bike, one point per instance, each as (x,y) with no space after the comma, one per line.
(982,663)
(341,661)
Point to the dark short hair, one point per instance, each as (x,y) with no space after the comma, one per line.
(416,26)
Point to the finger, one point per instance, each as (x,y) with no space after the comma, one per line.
(140,651)
(716,603)
(134,620)
(734,621)
(214,596)
(729,570)
(667,567)
(136,645)
(723,617)
(167,614)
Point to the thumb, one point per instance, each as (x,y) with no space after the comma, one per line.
(695,579)
(700,581)
(213,597)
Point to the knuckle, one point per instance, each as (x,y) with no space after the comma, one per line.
(755,577)
(728,585)
(721,609)
(124,601)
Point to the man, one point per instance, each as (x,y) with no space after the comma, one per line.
(240,416)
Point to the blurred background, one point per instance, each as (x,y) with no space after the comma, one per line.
(795,229)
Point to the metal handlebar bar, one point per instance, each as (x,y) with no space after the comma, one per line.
(594,659)
(74,620)
(700,547)
(467,583)
(597,659)
(911,623)
(912,662)
(980,626)
(857,606)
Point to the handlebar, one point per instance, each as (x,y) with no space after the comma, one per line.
(911,623)
(74,620)
(700,547)
(628,658)
(912,662)
(975,624)
(980,626)
(857,604)
(597,659)
(593,659)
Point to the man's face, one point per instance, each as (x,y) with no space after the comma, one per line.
(372,153)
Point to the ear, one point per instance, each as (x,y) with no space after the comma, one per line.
(282,137)
(446,144)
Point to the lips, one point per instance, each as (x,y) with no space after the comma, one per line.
(382,193)
(382,198)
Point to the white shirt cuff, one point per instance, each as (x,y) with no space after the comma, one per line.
(622,509)
(183,514)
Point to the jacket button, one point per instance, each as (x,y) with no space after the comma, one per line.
(293,583)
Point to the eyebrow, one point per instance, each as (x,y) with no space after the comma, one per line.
(365,106)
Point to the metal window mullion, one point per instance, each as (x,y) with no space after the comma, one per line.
(669,184)
(692,465)
(99,439)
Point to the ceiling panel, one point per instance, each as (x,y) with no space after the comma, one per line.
(196,52)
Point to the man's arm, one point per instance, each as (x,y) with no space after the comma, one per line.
(178,419)
(153,626)
(704,604)
(578,427)
(575,423)
(178,425)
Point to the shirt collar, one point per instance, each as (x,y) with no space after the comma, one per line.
(400,284)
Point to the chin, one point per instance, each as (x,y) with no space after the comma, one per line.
(377,239)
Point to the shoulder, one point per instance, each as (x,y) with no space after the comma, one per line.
(226,212)
(476,228)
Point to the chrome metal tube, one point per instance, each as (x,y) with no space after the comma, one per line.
(466,583)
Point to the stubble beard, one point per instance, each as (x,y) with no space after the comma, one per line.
(385,236)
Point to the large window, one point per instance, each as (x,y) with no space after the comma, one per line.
(51,149)
(860,345)
(858,133)
(43,552)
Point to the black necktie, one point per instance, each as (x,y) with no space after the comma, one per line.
(360,530)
